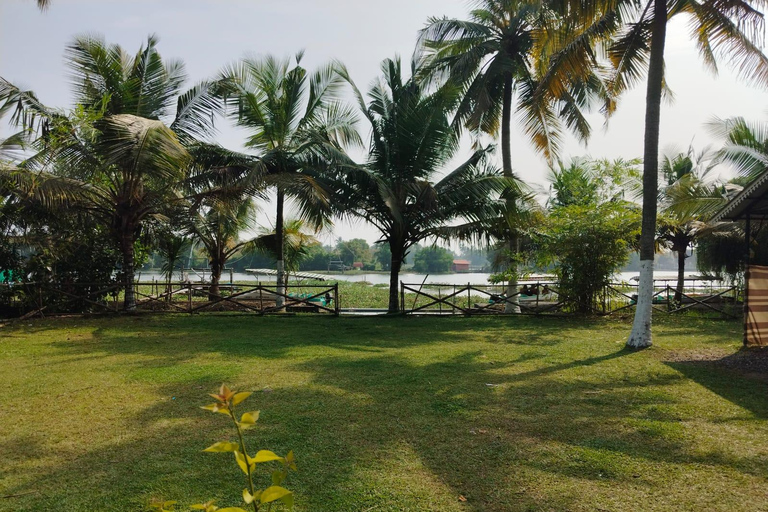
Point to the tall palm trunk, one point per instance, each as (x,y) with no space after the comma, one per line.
(394,278)
(640,336)
(216,268)
(127,248)
(279,237)
(682,247)
(511,305)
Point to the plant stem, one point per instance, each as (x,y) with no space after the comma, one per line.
(245,454)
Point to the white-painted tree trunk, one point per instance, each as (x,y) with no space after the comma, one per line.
(511,305)
(280,300)
(640,337)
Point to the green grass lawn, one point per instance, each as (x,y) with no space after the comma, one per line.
(384,414)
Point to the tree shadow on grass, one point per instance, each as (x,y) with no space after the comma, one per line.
(741,385)
(177,339)
(475,439)
(378,431)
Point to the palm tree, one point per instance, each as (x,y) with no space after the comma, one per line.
(411,140)
(219,194)
(171,247)
(115,142)
(745,145)
(217,226)
(294,119)
(497,59)
(687,202)
(296,243)
(730,29)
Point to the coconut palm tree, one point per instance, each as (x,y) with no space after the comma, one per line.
(171,247)
(217,226)
(745,145)
(411,140)
(296,243)
(123,141)
(294,118)
(220,194)
(497,59)
(687,202)
(731,30)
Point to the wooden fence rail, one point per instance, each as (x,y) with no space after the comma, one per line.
(545,298)
(42,299)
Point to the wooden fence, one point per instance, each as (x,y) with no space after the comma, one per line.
(43,299)
(545,298)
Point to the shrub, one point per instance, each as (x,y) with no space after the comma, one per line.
(586,245)
(226,402)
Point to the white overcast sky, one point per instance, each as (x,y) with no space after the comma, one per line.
(206,34)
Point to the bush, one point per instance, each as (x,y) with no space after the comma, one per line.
(586,245)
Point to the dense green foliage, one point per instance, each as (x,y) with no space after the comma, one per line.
(433,259)
(586,245)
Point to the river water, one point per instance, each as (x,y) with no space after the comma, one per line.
(475,278)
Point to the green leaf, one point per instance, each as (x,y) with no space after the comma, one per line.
(223,446)
(247,497)
(273,493)
(239,397)
(208,506)
(288,500)
(231,509)
(162,506)
(249,419)
(278,476)
(265,456)
(240,458)
(216,408)
(290,461)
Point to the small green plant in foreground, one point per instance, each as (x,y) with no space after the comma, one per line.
(226,401)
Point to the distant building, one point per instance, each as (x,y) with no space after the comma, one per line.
(358,265)
(460,266)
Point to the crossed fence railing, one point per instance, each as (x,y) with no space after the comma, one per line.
(40,299)
(545,298)
(469,299)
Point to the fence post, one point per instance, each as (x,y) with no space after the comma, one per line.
(189,297)
(402,297)
(336,297)
(538,291)
(469,298)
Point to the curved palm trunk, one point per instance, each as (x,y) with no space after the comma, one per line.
(512,305)
(279,236)
(394,278)
(681,249)
(640,336)
(127,248)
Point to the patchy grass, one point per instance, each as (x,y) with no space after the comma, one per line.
(384,414)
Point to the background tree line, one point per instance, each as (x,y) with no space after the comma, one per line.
(135,160)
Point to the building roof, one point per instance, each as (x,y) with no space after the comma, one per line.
(752,200)
(461,262)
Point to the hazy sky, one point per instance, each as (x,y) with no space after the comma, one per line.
(206,34)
